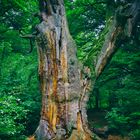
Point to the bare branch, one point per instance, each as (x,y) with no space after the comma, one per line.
(27,36)
(30,37)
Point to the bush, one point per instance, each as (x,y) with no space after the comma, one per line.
(12,116)
(117,122)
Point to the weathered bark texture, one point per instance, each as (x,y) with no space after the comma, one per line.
(123,26)
(63,114)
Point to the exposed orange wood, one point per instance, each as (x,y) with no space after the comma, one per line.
(32,138)
(64,65)
(79,122)
(54,118)
(49,112)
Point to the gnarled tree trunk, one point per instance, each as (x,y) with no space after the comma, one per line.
(63,114)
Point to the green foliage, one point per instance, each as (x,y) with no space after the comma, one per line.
(135,134)
(19,91)
(117,121)
(120,82)
(85,21)
(12,114)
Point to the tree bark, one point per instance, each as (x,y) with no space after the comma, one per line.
(63,113)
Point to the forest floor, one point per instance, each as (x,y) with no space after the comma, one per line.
(98,124)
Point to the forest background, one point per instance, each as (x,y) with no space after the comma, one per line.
(115,98)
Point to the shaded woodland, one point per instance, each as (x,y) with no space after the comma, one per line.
(70,70)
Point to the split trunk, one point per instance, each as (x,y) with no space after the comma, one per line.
(63,114)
